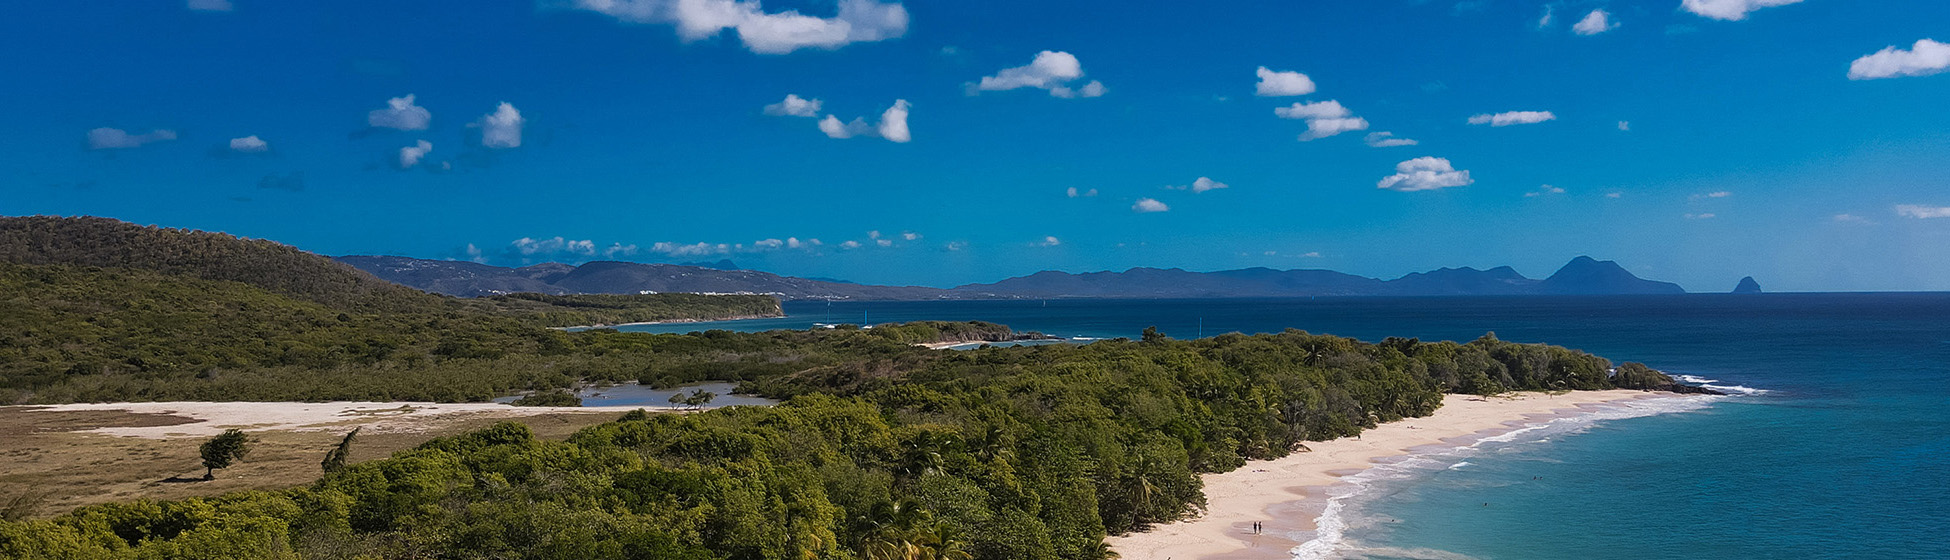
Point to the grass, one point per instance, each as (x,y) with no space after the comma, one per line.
(50,465)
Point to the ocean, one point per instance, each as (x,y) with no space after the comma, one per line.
(1836,443)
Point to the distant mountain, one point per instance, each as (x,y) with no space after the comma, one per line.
(1747,285)
(612,277)
(1582,276)
(722,264)
(1588,276)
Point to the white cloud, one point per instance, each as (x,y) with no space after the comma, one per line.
(1705,216)
(1624,126)
(1322,128)
(528,246)
(833,128)
(1598,21)
(1922,212)
(1714,194)
(691,250)
(1073,192)
(955,246)
(884,242)
(893,122)
(874,234)
(892,126)
(1924,58)
(1614,195)
(1730,10)
(1050,70)
(1311,254)
(1545,190)
(618,249)
(410,156)
(1329,109)
(249,145)
(1324,118)
(210,5)
(1550,16)
(1388,140)
(1852,219)
(1199,185)
(762,32)
(850,245)
(400,113)
(1424,174)
(1050,241)
(501,128)
(1281,84)
(794,106)
(114,138)
(910,236)
(1149,205)
(1513,117)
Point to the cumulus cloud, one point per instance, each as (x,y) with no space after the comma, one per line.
(1050,70)
(762,32)
(249,145)
(1149,205)
(893,122)
(410,156)
(910,236)
(1512,118)
(1274,83)
(1050,241)
(501,128)
(794,106)
(1073,192)
(115,139)
(1922,59)
(1324,118)
(528,246)
(1598,21)
(1388,140)
(892,126)
(210,5)
(1199,185)
(850,244)
(1424,174)
(1922,212)
(401,114)
(1730,10)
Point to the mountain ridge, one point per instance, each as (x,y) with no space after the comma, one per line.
(1581,276)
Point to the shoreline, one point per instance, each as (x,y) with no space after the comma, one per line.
(1290,494)
(671,322)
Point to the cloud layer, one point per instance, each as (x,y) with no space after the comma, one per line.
(1922,59)
(1513,118)
(400,114)
(1050,70)
(1730,10)
(1424,174)
(1274,83)
(762,32)
(115,139)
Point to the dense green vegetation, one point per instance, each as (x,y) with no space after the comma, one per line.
(609,309)
(881,449)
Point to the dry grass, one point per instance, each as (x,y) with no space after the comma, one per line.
(50,465)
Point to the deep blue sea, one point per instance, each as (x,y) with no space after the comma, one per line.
(1841,451)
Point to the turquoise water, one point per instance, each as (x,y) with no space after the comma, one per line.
(1846,453)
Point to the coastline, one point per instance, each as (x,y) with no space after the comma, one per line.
(671,322)
(1287,495)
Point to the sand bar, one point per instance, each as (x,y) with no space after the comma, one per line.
(1277,492)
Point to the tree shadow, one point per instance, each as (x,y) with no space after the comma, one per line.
(183,479)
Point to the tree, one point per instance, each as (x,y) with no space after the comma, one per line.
(1151,334)
(336,458)
(699,398)
(223,451)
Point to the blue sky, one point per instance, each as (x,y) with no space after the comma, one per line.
(1806,143)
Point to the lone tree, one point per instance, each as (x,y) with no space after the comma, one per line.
(223,451)
(699,398)
(335,459)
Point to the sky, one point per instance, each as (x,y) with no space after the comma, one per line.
(1802,142)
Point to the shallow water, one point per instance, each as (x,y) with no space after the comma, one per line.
(1845,455)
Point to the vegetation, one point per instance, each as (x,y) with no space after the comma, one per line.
(223,451)
(336,458)
(880,450)
(551,397)
(608,309)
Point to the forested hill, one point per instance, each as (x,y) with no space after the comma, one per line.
(279,268)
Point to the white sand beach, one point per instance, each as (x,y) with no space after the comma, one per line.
(1286,494)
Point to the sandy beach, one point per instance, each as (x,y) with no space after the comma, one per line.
(1287,494)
